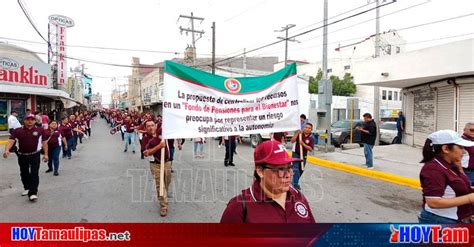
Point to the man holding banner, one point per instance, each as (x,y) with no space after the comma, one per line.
(303,142)
(153,150)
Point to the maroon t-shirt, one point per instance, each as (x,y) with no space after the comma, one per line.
(307,139)
(153,142)
(54,138)
(66,130)
(261,209)
(470,152)
(129,126)
(29,140)
(440,179)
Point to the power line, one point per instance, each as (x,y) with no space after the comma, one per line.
(105,48)
(244,11)
(418,25)
(353,25)
(303,33)
(396,29)
(369,20)
(351,10)
(340,14)
(29,20)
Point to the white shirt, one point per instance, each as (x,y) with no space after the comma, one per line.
(13,122)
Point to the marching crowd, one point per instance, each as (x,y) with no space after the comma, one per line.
(275,195)
(40,135)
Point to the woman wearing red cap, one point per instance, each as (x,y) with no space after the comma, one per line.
(271,198)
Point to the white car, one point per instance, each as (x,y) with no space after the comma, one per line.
(388,133)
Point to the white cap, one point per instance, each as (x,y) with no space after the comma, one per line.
(449,137)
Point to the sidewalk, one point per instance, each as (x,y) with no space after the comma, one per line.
(392,163)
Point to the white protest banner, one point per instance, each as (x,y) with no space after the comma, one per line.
(200,104)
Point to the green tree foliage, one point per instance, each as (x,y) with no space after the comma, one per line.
(344,87)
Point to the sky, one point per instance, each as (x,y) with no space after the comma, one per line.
(244,24)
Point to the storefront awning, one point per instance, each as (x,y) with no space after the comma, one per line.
(47,92)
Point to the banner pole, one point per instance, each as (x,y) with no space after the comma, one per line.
(301,152)
(162,170)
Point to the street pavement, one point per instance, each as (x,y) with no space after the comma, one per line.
(101,183)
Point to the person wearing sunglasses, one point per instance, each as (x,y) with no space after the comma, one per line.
(447,194)
(271,198)
(468,158)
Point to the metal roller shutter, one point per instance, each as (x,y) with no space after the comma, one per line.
(466,105)
(445,108)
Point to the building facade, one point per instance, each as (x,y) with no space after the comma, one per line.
(438,93)
(26,83)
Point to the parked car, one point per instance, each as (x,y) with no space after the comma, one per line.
(340,132)
(388,133)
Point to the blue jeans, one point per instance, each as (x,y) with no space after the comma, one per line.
(297,171)
(74,143)
(369,155)
(470,175)
(399,136)
(426,217)
(67,152)
(131,137)
(54,158)
(198,147)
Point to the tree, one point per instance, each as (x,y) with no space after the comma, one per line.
(344,87)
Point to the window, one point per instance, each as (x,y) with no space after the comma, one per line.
(398,49)
(347,67)
(389,49)
(338,115)
(395,96)
(401,97)
(329,70)
(389,95)
(384,94)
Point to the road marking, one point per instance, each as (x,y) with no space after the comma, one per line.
(384,176)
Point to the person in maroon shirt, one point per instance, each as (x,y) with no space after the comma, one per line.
(153,150)
(307,143)
(468,158)
(271,198)
(74,125)
(55,141)
(118,122)
(67,131)
(30,139)
(447,194)
(129,128)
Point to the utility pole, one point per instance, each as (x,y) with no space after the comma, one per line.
(213,47)
(285,29)
(192,31)
(325,86)
(376,88)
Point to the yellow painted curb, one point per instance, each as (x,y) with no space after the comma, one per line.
(3,142)
(388,177)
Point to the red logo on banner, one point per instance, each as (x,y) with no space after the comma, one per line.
(232,85)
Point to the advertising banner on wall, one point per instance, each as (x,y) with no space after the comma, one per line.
(24,72)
